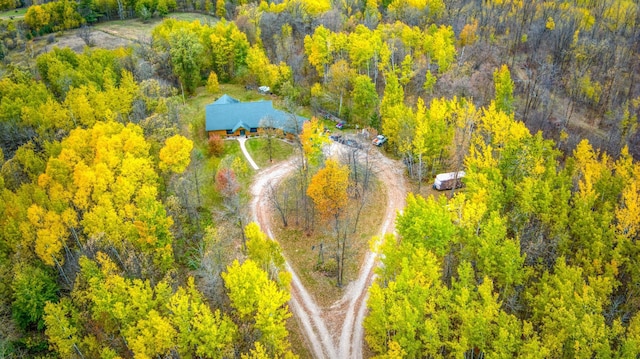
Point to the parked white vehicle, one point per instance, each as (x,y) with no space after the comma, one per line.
(448,180)
(379,140)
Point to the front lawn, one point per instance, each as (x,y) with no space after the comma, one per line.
(258,149)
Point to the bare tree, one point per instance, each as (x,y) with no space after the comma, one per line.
(229,188)
(86,34)
(294,126)
(269,130)
(214,255)
(365,168)
(280,203)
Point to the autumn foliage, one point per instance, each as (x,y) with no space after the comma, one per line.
(215,145)
(176,154)
(328,189)
(227,183)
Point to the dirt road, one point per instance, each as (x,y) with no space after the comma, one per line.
(337,331)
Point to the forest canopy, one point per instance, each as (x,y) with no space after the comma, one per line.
(124,229)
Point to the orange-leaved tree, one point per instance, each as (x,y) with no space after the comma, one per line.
(328,189)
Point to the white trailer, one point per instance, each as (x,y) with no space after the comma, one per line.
(448,180)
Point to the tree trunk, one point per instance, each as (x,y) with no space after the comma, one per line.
(64,276)
(78,350)
(121,10)
(342,255)
(244,239)
(338,253)
(419,172)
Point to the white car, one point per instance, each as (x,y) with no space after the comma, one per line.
(379,140)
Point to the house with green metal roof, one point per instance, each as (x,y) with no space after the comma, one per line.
(230,117)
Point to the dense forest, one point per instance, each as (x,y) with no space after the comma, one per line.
(123,227)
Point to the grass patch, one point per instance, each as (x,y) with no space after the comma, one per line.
(16,13)
(132,29)
(302,249)
(240,93)
(193,16)
(257,148)
(297,340)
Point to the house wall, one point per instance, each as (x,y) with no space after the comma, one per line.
(223,133)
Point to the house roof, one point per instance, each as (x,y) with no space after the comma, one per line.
(225,100)
(227,113)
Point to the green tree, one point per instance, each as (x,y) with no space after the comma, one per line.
(409,312)
(434,133)
(186,57)
(199,330)
(426,223)
(569,312)
(62,320)
(264,71)
(152,336)
(229,48)
(392,110)
(440,45)
(32,288)
(319,50)
(504,89)
(37,18)
(9,4)
(365,100)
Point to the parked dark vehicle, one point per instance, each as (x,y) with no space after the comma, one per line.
(352,143)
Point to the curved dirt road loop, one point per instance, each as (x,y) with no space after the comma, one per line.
(340,324)
(351,308)
(302,304)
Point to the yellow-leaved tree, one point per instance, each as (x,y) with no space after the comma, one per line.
(312,139)
(260,305)
(213,85)
(176,154)
(102,185)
